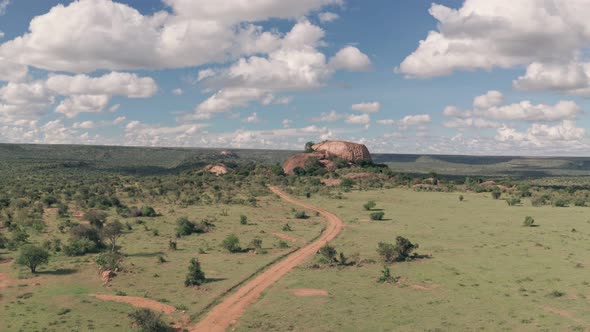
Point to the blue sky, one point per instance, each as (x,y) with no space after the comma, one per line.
(407,76)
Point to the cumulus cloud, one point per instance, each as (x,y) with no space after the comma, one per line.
(114,84)
(287,123)
(295,66)
(542,135)
(571,78)
(350,58)
(482,34)
(358,119)
(84,125)
(490,99)
(177,92)
(77,104)
(3,5)
(119,120)
(88,35)
(471,122)
(408,120)
(328,117)
(11,71)
(327,17)
(24,101)
(370,107)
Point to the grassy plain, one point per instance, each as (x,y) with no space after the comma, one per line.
(34,303)
(487,271)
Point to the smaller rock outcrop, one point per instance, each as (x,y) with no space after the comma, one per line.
(217,169)
(228,153)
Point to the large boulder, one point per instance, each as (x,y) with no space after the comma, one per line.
(343,150)
(324,151)
(217,169)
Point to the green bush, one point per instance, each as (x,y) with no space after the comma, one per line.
(301,215)
(287,228)
(399,251)
(243,220)
(195,276)
(109,261)
(256,243)
(370,205)
(560,202)
(512,201)
(148,321)
(328,253)
(232,243)
(528,221)
(79,247)
(148,211)
(496,194)
(377,215)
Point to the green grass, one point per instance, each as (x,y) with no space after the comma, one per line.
(144,275)
(487,272)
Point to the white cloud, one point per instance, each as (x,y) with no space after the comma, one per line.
(327,17)
(571,78)
(253,118)
(114,108)
(1,34)
(119,120)
(287,123)
(358,119)
(526,111)
(74,105)
(114,84)
(370,107)
(408,120)
(490,99)
(24,101)
(482,34)
(84,125)
(328,117)
(177,92)
(542,135)
(88,35)
(10,71)
(205,73)
(471,122)
(350,58)
(297,65)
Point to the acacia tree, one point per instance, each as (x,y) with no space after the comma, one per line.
(33,256)
(113,231)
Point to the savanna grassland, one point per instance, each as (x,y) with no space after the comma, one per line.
(477,266)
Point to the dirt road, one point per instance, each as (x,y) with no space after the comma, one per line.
(228,311)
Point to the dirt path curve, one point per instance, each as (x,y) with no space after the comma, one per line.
(228,311)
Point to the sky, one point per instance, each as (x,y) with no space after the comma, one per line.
(473,77)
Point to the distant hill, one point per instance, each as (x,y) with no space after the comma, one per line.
(154,159)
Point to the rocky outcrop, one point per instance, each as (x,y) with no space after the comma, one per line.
(326,151)
(217,169)
(343,150)
(299,161)
(228,153)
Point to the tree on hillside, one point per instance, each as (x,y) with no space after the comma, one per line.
(96,218)
(113,231)
(232,243)
(33,256)
(308,147)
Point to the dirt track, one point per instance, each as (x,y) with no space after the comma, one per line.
(228,311)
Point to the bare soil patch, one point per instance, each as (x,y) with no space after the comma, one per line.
(309,292)
(138,302)
(331,182)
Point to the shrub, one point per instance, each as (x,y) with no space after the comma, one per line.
(109,261)
(496,194)
(512,201)
(283,244)
(95,217)
(528,221)
(287,228)
(560,202)
(386,276)
(370,205)
(195,276)
(172,245)
(301,215)
(256,243)
(184,226)
(148,321)
(399,251)
(79,247)
(243,220)
(580,202)
(87,232)
(461,198)
(232,243)
(328,253)
(377,215)
(32,256)
(148,211)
